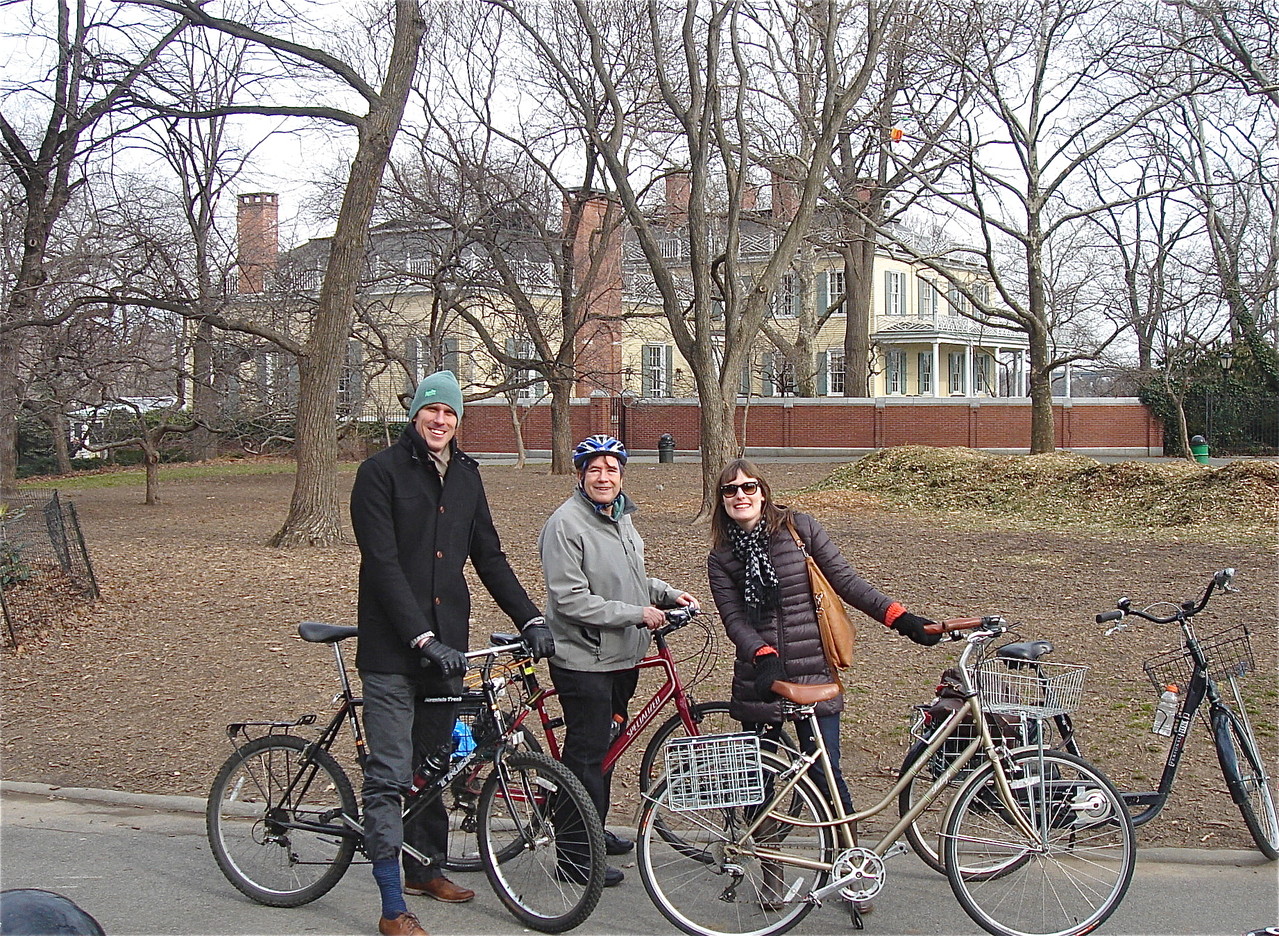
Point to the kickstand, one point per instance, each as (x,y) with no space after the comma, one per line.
(855,915)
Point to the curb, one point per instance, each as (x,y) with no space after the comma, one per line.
(1229,857)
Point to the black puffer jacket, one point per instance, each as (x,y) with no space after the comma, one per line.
(791,628)
(415,536)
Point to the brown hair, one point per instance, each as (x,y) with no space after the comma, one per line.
(775,515)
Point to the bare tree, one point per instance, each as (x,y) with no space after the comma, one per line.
(1052,98)
(50,128)
(660,89)
(314,512)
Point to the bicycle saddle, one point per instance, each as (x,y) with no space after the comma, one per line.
(1024,653)
(806,693)
(315,632)
(501,640)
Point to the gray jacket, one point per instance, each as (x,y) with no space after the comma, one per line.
(596,587)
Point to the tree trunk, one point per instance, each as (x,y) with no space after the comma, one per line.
(859,263)
(204,399)
(719,446)
(314,512)
(562,440)
(10,403)
(1043,430)
(57,425)
(151,458)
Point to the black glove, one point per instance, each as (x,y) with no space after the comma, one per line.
(768,669)
(451,662)
(541,643)
(912,626)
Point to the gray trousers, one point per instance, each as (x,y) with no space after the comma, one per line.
(401,730)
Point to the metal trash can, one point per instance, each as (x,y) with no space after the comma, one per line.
(1199,449)
(666,449)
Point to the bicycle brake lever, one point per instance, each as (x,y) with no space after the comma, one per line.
(1118,627)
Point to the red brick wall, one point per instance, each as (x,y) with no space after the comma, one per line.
(833,423)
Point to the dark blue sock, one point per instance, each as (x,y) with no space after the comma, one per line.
(387,875)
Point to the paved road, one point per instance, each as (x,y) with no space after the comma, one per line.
(141,865)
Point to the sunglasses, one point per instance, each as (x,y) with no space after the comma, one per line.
(746,487)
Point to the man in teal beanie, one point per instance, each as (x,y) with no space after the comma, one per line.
(440,387)
(419,512)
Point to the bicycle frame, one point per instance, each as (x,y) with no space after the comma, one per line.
(672,689)
(797,772)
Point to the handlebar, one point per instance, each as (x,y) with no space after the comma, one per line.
(1186,609)
(675,619)
(993,622)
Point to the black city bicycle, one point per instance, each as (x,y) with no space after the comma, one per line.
(284,823)
(1202,666)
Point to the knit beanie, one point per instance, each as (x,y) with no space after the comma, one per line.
(440,387)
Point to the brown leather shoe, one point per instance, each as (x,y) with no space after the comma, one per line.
(406,924)
(440,888)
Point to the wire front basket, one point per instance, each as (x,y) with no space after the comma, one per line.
(1040,691)
(1228,652)
(714,771)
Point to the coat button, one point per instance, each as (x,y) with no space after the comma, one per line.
(437,600)
(441,508)
(439,555)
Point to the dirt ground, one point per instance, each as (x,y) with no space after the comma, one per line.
(196,627)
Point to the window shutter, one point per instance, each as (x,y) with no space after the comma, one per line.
(744,383)
(822,284)
(646,373)
(452,361)
(668,390)
(796,295)
(823,365)
(770,362)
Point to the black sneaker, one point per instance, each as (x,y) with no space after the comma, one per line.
(615,844)
(613,876)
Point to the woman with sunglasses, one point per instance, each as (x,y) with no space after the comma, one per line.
(760,584)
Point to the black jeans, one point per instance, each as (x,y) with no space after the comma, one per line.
(589,701)
(829,726)
(400,730)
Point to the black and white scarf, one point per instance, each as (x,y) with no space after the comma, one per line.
(751,547)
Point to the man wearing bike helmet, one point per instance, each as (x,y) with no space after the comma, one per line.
(600,605)
(419,512)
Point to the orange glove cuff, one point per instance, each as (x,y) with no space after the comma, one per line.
(895,610)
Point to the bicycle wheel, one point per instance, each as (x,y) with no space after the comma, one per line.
(462,800)
(1250,785)
(711,717)
(708,880)
(541,841)
(925,833)
(268,838)
(1070,876)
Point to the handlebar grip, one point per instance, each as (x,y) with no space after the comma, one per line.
(1107,616)
(953,624)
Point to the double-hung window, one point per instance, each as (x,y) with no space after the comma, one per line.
(894,293)
(656,375)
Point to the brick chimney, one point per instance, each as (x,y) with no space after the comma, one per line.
(785,198)
(597,277)
(679,189)
(258,238)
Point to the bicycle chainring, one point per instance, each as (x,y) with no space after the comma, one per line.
(860,871)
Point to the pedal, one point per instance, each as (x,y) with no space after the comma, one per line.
(895,849)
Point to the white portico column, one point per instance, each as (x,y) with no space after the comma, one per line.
(937,375)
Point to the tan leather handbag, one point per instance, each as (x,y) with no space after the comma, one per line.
(837,630)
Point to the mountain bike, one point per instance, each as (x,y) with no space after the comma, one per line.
(734,839)
(1203,666)
(284,824)
(519,677)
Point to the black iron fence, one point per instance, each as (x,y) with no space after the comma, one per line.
(44,563)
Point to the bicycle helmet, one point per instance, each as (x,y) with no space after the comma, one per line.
(594,445)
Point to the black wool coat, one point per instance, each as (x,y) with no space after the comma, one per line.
(415,535)
(791,628)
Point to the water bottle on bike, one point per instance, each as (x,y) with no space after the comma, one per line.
(1166,711)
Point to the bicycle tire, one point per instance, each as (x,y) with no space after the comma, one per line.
(1247,779)
(246,819)
(684,861)
(925,833)
(1081,861)
(461,801)
(541,841)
